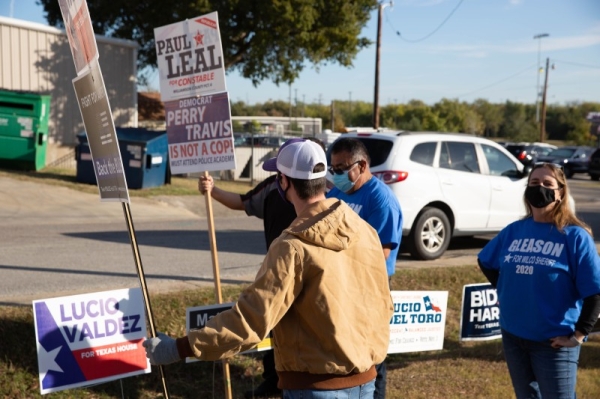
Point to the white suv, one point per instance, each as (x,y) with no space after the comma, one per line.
(447,184)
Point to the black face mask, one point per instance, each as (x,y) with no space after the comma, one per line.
(539,196)
(281,191)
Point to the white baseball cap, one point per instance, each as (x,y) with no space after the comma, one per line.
(298,159)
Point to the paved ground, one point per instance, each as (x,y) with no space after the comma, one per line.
(56,241)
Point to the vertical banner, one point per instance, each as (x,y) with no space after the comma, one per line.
(190,58)
(480,314)
(200,134)
(87,339)
(191,69)
(101,133)
(78,26)
(418,322)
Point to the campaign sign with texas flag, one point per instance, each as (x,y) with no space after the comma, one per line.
(418,321)
(91,338)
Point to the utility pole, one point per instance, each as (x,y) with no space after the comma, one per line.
(333,115)
(537,87)
(350,112)
(377,54)
(290,100)
(543,124)
(377,57)
(303,104)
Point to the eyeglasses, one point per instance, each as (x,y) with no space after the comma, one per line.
(335,171)
(540,164)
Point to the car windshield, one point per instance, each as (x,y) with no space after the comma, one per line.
(378,150)
(562,153)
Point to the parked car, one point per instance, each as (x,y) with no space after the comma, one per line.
(265,140)
(528,153)
(574,159)
(240,138)
(594,166)
(448,185)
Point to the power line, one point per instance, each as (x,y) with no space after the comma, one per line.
(577,64)
(429,34)
(500,81)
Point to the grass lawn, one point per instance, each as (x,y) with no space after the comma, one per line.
(66,178)
(460,370)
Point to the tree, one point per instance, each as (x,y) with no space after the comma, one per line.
(418,116)
(270,39)
(491,114)
(458,117)
(517,125)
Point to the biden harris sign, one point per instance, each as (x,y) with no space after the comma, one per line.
(88,339)
(480,313)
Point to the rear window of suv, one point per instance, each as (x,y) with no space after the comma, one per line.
(379,150)
(424,153)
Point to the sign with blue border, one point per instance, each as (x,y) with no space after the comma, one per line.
(91,338)
(480,313)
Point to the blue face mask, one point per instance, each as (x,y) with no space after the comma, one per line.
(343,182)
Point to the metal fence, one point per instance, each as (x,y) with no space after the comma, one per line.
(249,161)
(66,161)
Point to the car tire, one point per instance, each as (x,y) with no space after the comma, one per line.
(568,172)
(430,235)
(595,177)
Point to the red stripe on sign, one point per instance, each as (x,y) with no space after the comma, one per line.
(208,22)
(109,360)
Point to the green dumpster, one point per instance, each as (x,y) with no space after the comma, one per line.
(23,129)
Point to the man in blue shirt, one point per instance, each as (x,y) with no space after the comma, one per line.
(374,202)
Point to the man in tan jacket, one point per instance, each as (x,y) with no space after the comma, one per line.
(322,289)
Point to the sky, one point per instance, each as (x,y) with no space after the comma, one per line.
(435,49)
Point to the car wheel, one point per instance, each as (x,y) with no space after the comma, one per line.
(568,172)
(430,235)
(595,177)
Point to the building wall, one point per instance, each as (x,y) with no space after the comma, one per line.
(35,57)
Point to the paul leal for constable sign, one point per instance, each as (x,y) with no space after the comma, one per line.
(87,339)
(190,58)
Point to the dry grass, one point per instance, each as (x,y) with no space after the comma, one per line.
(460,370)
(66,178)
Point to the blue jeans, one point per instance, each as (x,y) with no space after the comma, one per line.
(364,391)
(538,370)
(380,381)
